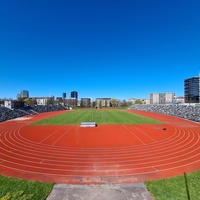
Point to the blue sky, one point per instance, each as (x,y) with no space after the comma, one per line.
(102,48)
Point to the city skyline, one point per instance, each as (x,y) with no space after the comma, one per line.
(101,48)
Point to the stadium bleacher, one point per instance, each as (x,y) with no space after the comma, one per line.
(189,112)
(7,114)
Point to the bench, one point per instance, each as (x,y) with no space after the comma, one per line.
(88,124)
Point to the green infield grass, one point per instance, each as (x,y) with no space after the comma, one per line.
(104,116)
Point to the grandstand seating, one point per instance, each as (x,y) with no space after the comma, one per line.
(7,114)
(189,112)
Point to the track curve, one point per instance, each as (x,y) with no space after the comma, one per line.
(127,153)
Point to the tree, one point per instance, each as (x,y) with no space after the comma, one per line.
(138,101)
(114,102)
(33,102)
(129,103)
(124,103)
(99,104)
(19,98)
(27,101)
(1,102)
(48,101)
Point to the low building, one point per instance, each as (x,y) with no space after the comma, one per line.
(154,98)
(43,100)
(86,102)
(70,102)
(103,102)
(12,104)
(180,100)
(162,98)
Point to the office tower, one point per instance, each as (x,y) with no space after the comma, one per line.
(64,95)
(192,89)
(74,95)
(24,94)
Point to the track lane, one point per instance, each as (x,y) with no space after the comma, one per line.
(48,159)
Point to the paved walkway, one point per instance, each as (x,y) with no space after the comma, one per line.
(133,191)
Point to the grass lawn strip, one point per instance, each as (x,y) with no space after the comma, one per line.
(165,189)
(13,188)
(176,188)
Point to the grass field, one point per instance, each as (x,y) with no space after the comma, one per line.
(176,188)
(13,188)
(104,116)
(184,187)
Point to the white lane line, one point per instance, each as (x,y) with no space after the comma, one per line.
(67,131)
(188,131)
(104,171)
(120,159)
(133,134)
(158,149)
(144,133)
(155,169)
(155,158)
(51,134)
(100,152)
(101,149)
(77,135)
(91,176)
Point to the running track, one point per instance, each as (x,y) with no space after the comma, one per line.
(105,154)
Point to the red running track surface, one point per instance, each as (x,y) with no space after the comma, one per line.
(104,154)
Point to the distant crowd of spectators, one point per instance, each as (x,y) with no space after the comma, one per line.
(189,112)
(7,114)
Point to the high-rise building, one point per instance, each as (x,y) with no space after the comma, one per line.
(64,95)
(192,89)
(74,95)
(24,94)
